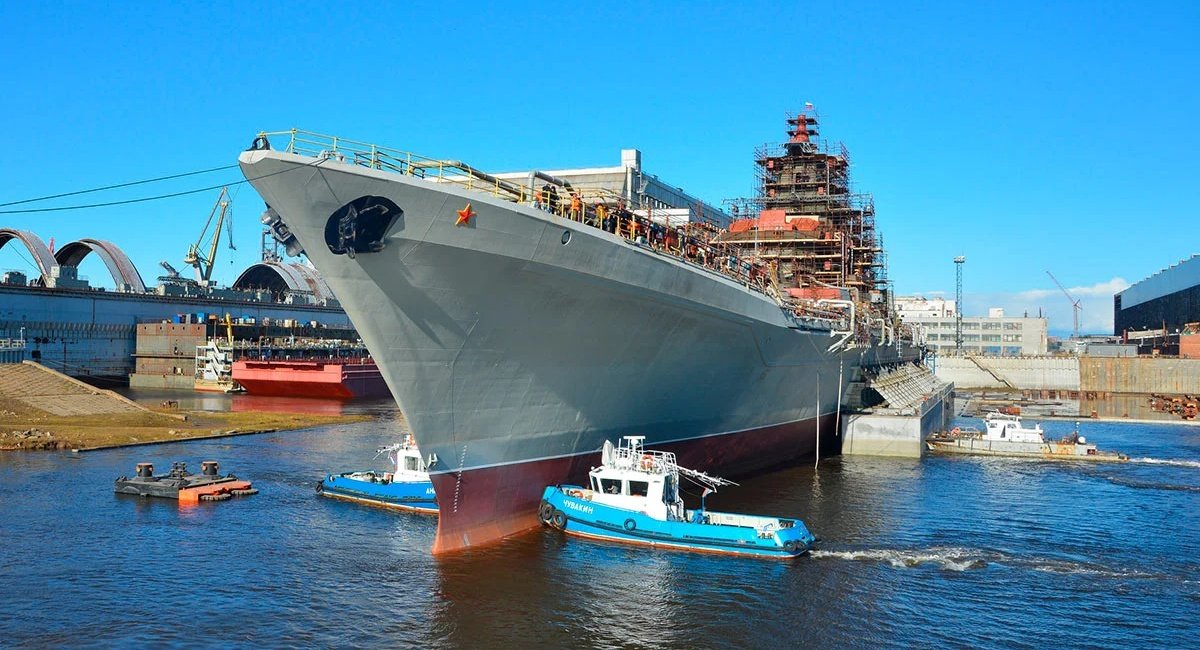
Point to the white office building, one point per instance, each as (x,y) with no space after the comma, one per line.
(993,335)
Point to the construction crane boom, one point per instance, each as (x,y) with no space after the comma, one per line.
(1075,306)
(203,263)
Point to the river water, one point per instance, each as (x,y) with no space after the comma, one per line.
(960,552)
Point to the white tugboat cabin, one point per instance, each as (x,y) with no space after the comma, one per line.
(631,478)
(1001,426)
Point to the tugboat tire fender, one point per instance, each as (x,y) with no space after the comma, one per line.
(790,546)
(630,524)
(545,511)
(320,487)
(558,519)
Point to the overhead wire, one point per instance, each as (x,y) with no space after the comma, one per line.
(154,198)
(118,186)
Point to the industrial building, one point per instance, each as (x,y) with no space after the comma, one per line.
(995,334)
(54,317)
(1164,302)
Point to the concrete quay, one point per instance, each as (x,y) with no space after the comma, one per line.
(916,404)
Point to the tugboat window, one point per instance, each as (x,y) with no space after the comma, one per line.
(610,485)
(595,485)
(410,464)
(639,488)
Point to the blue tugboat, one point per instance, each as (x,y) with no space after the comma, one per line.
(407,487)
(634,498)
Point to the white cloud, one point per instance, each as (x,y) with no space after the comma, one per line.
(1096,301)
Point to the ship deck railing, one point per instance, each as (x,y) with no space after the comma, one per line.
(626,457)
(696,243)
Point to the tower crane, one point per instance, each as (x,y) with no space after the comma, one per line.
(1075,306)
(203,262)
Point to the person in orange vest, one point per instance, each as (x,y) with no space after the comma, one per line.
(602,216)
(576,207)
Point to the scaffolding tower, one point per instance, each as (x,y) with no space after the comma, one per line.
(807,221)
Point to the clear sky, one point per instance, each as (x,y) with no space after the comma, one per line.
(1024,135)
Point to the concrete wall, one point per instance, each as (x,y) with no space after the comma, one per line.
(1140,375)
(1021,373)
(886,434)
(163,382)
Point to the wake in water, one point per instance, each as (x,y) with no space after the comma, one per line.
(950,558)
(1174,462)
(1150,485)
(962,559)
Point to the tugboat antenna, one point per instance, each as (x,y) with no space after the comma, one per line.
(700,478)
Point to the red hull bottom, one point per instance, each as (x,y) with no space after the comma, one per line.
(482,506)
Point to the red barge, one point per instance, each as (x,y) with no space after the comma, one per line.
(337,378)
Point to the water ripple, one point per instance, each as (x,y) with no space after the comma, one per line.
(1114,547)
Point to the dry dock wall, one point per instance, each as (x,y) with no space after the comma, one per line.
(902,434)
(1012,373)
(1140,375)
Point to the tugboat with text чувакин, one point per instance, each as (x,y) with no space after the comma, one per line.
(634,497)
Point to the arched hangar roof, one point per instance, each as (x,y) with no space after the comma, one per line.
(42,257)
(119,265)
(280,278)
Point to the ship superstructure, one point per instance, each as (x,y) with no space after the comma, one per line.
(809,225)
(521,324)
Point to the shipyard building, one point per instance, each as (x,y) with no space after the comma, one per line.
(996,334)
(55,317)
(1167,300)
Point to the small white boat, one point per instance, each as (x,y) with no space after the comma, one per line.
(1004,435)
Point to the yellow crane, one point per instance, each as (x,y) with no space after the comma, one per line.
(202,262)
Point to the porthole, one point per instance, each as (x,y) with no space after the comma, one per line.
(566,238)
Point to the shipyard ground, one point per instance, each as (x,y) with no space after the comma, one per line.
(30,429)
(44,410)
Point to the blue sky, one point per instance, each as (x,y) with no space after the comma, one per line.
(1026,136)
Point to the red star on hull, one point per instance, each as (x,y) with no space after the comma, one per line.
(464,216)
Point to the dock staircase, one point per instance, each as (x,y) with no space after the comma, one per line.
(35,385)
(906,385)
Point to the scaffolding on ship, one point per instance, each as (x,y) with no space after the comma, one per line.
(809,225)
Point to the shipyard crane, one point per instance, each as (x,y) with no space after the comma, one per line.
(204,262)
(1075,306)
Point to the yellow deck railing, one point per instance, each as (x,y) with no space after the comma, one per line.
(694,242)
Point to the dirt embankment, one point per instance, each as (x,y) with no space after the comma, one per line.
(27,428)
(42,409)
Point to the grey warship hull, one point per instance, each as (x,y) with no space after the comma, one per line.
(516,342)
